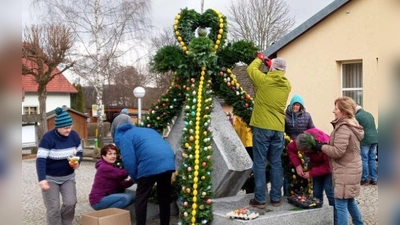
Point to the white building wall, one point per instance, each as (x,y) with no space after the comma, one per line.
(53,101)
(29,136)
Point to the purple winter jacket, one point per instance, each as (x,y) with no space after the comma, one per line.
(108,180)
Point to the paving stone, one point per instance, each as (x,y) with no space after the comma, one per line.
(33,211)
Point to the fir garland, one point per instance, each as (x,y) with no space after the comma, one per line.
(202,65)
(298,185)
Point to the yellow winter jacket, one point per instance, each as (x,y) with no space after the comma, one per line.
(243,131)
(272,93)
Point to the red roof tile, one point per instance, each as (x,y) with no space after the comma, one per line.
(58,84)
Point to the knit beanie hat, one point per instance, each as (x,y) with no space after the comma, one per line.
(279,64)
(305,141)
(124,111)
(63,119)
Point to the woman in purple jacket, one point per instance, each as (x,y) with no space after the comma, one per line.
(110,182)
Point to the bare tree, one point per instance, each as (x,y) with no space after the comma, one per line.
(119,92)
(127,79)
(44,50)
(164,38)
(106,31)
(261,21)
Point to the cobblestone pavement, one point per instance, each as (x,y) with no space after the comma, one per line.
(368,204)
(34,212)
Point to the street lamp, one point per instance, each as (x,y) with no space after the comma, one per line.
(139,92)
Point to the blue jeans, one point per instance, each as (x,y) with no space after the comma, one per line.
(368,156)
(321,183)
(346,206)
(285,186)
(119,200)
(267,144)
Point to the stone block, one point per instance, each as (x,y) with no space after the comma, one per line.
(286,214)
(153,210)
(231,163)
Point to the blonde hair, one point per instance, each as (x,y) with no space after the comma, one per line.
(346,105)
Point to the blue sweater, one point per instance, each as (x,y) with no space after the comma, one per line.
(144,152)
(53,152)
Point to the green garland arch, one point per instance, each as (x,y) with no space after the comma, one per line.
(203,66)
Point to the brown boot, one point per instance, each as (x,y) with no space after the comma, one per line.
(275,203)
(256,204)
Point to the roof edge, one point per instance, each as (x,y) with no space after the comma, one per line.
(52,113)
(53,92)
(304,27)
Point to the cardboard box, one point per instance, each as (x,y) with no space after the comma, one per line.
(111,216)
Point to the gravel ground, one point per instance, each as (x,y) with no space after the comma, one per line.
(32,203)
(34,212)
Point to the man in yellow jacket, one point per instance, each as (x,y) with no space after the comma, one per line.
(268,122)
(244,133)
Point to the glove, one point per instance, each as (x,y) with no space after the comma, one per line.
(268,62)
(317,147)
(261,56)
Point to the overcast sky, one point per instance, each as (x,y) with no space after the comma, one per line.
(164,12)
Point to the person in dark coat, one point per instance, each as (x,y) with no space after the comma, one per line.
(297,119)
(110,182)
(368,146)
(148,158)
(122,118)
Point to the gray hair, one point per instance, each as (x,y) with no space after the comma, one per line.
(278,64)
(305,141)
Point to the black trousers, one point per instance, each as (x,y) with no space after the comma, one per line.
(143,191)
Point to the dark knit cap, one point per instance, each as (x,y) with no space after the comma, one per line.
(63,119)
(305,141)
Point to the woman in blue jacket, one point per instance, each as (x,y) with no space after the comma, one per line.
(148,158)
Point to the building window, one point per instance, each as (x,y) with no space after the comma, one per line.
(30,110)
(352,77)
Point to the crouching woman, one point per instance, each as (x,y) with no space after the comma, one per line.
(110,182)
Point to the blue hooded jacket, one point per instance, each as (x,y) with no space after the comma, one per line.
(144,152)
(297,123)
